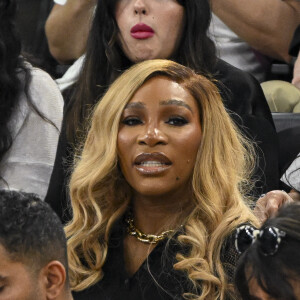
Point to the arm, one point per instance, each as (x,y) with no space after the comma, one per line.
(296,74)
(29,162)
(266,25)
(67,29)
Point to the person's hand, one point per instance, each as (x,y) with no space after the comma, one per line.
(267,206)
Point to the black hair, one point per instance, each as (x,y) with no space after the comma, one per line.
(30,231)
(273,273)
(105,60)
(10,64)
(14,74)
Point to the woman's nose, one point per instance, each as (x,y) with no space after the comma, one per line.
(140,7)
(152,136)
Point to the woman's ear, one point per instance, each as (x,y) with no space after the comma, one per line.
(55,277)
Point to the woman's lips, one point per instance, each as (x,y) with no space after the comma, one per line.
(152,163)
(141,31)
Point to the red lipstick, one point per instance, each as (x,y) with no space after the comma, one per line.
(141,31)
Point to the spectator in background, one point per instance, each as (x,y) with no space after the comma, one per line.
(266,27)
(269,268)
(244,34)
(30,114)
(67,28)
(33,251)
(295,51)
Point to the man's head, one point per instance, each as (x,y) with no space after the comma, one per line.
(33,259)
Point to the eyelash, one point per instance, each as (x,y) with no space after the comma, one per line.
(132,121)
(173,121)
(177,121)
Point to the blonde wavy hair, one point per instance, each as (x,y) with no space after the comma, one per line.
(100,195)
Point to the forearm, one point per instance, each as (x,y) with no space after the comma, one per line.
(67,29)
(267,25)
(296,74)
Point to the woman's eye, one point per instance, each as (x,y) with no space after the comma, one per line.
(132,121)
(177,121)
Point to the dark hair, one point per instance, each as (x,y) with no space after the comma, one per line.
(14,75)
(273,273)
(30,231)
(105,60)
(10,65)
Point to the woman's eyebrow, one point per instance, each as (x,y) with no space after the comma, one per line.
(176,102)
(135,105)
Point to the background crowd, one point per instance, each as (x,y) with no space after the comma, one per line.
(101,99)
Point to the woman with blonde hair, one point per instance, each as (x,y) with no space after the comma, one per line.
(158,190)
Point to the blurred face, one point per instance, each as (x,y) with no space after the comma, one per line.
(16,281)
(149,29)
(159,137)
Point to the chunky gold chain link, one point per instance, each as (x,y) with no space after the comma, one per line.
(143,237)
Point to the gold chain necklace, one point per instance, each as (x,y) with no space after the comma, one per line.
(143,237)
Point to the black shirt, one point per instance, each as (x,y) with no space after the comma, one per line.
(156,278)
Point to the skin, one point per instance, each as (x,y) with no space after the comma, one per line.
(151,123)
(296,73)
(16,281)
(268,205)
(67,29)
(270,33)
(165,17)
(19,281)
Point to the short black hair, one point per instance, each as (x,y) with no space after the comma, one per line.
(273,273)
(30,231)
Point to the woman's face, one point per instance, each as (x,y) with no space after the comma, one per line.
(149,29)
(159,137)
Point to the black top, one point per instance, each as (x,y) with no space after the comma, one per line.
(242,95)
(155,279)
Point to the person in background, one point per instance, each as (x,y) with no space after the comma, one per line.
(31,108)
(269,267)
(33,251)
(251,33)
(267,206)
(126,32)
(158,190)
(295,51)
(67,28)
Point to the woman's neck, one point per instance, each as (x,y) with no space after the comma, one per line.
(152,215)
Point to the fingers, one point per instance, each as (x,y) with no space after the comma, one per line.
(268,205)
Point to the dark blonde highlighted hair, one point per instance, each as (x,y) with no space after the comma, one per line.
(100,196)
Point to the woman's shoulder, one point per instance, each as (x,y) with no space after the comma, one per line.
(43,85)
(43,94)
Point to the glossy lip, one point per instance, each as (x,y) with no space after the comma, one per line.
(141,31)
(152,163)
